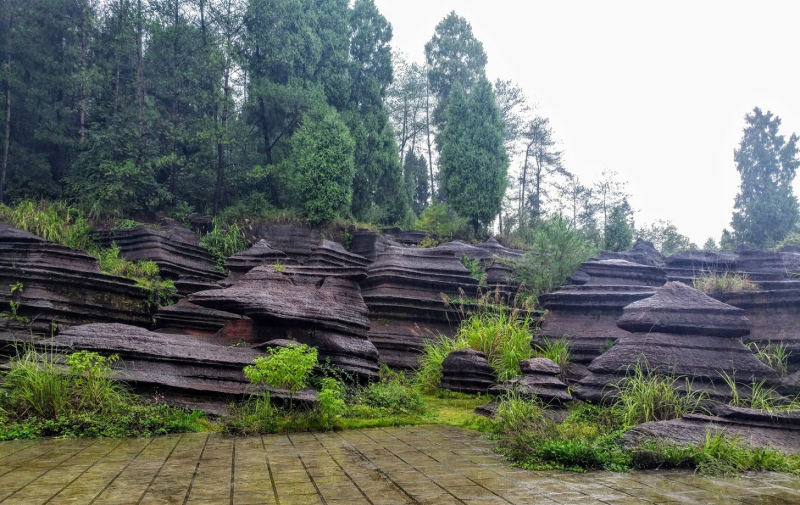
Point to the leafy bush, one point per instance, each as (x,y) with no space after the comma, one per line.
(502,336)
(330,399)
(724,283)
(643,396)
(285,368)
(558,251)
(775,356)
(441,224)
(392,395)
(224,241)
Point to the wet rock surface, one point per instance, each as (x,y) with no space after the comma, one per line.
(56,285)
(539,379)
(261,253)
(467,371)
(324,311)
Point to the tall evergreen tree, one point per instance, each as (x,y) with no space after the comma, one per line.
(453,55)
(416,175)
(766,209)
(473,161)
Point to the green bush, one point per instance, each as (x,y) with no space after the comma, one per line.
(286,368)
(56,222)
(441,224)
(724,283)
(145,272)
(330,400)
(558,251)
(392,395)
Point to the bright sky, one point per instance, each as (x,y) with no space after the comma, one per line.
(654,90)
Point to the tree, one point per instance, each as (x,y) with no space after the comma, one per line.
(473,160)
(618,232)
(665,237)
(710,245)
(322,158)
(541,161)
(453,55)
(765,210)
(513,105)
(416,175)
(609,193)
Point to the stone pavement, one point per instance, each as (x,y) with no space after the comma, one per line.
(435,465)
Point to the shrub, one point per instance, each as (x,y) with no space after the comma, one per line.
(429,370)
(441,224)
(558,251)
(330,400)
(474,267)
(392,395)
(644,396)
(56,222)
(284,367)
(775,356)
(724,283)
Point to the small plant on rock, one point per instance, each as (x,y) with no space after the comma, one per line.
(775,356)
(727,282)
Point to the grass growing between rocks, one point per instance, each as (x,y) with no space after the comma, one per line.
(52,394)
(724,283)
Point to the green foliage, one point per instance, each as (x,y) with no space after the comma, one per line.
(415,173)
(322,158)
(757,395)
(223,241)
(330,399)
(441,223)
(792,239)
(618,232)
(145,272)
(666,239)
(56,222)
(765,210)
(284,367)
(474,267)
(393,395)
(473,162)
(429,370)
(727,282)
(644,396)
(39,396)
(775,356)
(558,251)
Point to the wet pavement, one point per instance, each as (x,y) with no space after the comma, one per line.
(435,465)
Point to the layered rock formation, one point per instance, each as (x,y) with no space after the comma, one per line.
(297,242)
(261,253)
(403,291)
(213,325)
(754,428)
(308,304)
(467,371)
(539,379)
(496,249)
(175,256)
(63,286)
(679,331)
(332,254)
(586,314)
(370,244)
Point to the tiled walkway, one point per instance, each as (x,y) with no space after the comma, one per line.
(434,465)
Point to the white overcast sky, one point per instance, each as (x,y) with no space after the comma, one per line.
(654,90)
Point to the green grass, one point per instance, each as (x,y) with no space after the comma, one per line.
(727,282)
(558,351)
(223,241)
(775,356)
(757,395)
(45,393)
(54,221)
(146,273)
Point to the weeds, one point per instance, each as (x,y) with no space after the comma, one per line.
(775,356)
(145,272)
(224,241)
(429,370)
(643,397)
(56,222)
(758,396)
(474,267)
(558,351)
(727,282)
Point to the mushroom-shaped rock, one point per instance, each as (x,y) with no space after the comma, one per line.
(539,379)
(493,246)
(322,311)
(683,332)
(467,371)
(332,254)
(676,308)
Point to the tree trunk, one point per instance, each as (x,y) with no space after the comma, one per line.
(428,130)
(175,168)
(7,139)
(267,143)
(83,80)
(140,92)
(220,146)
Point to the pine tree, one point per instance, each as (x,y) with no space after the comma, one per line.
(473,161)
(618,232)
(766,209)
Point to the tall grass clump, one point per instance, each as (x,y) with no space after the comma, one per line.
(727,282)
(775,356)
(50,393)
(757,395)
(54,221)
(434,352)
(558,351)
(503,336)
(644,396)
(223,241)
